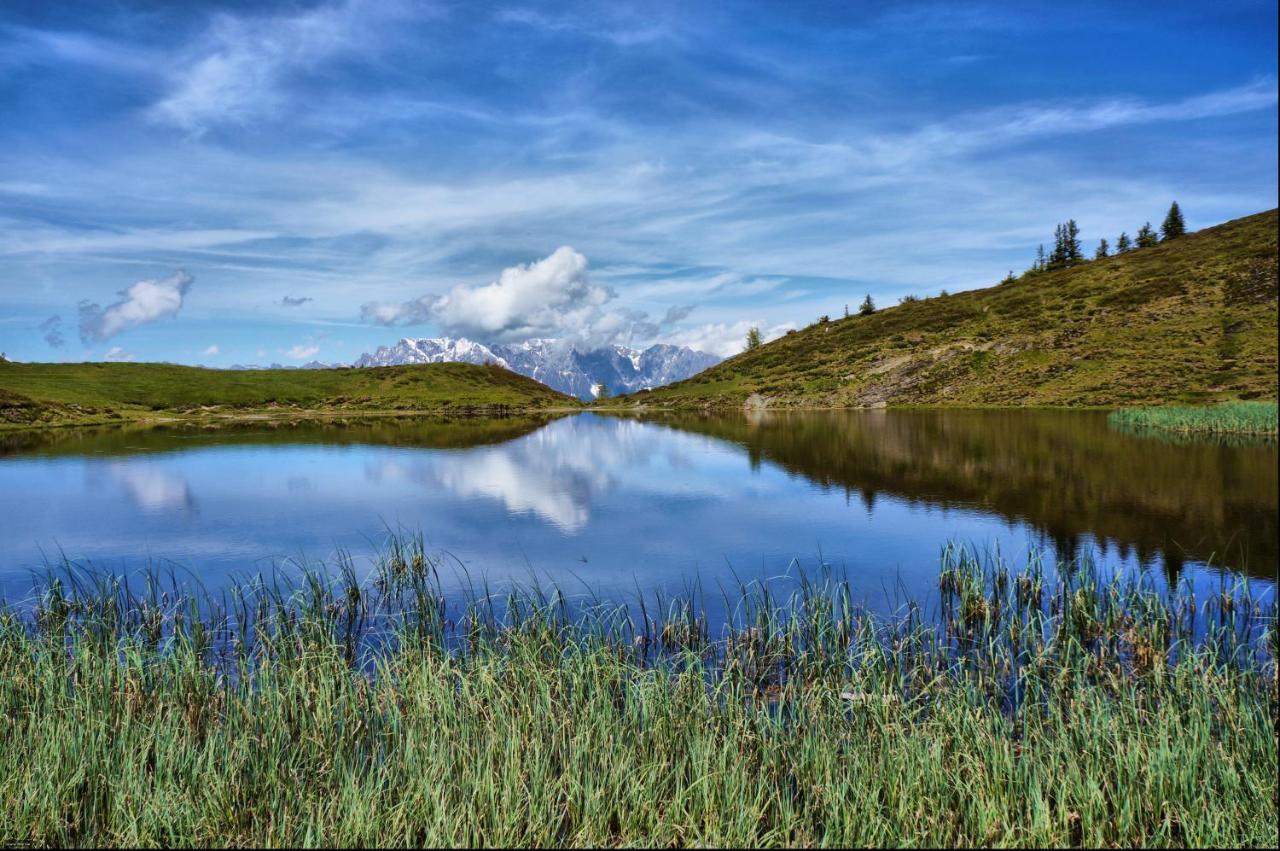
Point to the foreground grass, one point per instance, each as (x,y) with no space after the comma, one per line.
(1038,708)
(1190,321)
(1229,418)
(41,394)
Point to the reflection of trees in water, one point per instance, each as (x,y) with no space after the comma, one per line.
(1066,473)
(421,432)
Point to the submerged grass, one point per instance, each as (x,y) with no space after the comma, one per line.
(1229,418)
(1034,707)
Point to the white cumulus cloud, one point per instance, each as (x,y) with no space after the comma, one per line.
(145,301)
(549,298)
(302,351)
(725,338)
(212,350)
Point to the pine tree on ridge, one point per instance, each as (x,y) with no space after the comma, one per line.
(1174,225)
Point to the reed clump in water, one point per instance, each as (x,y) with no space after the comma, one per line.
(1250,419)
(1035,707)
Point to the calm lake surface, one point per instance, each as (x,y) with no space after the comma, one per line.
(612,504)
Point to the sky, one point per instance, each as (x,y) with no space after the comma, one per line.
(247,182)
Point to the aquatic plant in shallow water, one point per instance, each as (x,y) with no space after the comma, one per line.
(1040,705)
(1248,419)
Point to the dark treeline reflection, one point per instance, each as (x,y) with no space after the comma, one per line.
(1066,473)
(414,432)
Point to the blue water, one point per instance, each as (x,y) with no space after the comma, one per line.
(612,505)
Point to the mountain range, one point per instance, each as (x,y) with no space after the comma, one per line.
(556,363)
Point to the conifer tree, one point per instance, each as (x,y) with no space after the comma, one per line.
(867,307)
(753,339)
(1174,226)
(1066,246)
(1123,244)
(1040,261)
(1146,236)
(1009,278)
(1071,253)
(1102,251)
(1057,256)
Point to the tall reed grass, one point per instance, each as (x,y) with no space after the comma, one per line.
(1257,419)
(1038,706)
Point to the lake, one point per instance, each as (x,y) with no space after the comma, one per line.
(609,505)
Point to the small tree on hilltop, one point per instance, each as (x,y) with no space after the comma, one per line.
(753,339)
(1066,246)
(1009,278)
(1071,243)
(867,307)
(1174,226)
(1123,244)
(1057,257)
(1146,236)
(1102,251)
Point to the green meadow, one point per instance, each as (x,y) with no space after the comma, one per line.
(43,394)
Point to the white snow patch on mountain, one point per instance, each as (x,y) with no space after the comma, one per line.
(556,363)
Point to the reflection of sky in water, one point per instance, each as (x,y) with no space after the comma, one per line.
(609,503)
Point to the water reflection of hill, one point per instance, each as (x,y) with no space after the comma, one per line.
(1065,473)
(422,433)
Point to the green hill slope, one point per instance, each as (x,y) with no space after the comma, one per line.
(57,394)
(1192,320)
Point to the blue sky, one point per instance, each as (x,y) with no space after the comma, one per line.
(242,182)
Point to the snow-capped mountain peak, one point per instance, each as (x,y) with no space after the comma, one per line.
(556,363)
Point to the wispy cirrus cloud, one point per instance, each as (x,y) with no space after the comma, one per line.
(766,166)
(614,24)
(236,73)
(28,46)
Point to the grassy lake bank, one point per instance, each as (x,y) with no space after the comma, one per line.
(50,395)
(1034,707)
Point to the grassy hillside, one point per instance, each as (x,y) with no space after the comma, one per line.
(56,394)
(1193,320)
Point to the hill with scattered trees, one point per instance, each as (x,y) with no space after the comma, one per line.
(1175,317)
